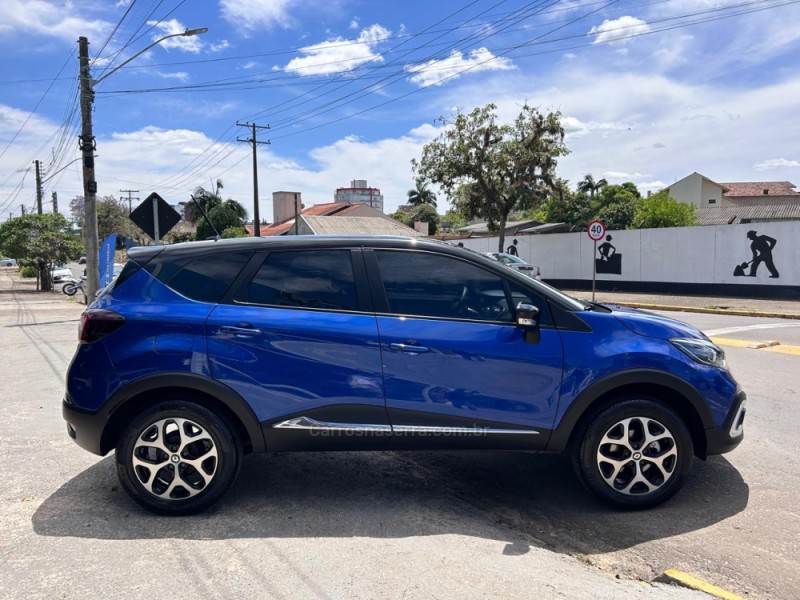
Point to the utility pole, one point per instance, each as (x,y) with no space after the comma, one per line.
(87,146)
(254,142)
(55,202)
(130,198)
(38,187)
(22,209)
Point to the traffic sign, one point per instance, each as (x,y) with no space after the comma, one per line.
(596,230)
(155,216)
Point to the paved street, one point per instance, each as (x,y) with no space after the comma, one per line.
(388,524)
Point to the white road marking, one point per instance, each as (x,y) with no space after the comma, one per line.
(729,330)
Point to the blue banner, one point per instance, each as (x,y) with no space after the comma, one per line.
(107,260)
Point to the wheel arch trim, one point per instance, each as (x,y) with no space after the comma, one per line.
(189,381)
(562,434)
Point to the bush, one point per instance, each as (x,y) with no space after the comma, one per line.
(28,272)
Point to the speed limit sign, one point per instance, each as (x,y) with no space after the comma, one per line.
(596,230)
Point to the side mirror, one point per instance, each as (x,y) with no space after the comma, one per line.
(527,316)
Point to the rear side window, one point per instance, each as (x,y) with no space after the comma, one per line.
(303,279)
(204,278)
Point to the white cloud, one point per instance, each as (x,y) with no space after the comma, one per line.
(436,72)
(574,127)
(624,176)
(615,31)
(354,24)
(250,64)
(776,163)
(339,55)
(192,43)
(179,75)
(254,14)
(53,19)
(219,46)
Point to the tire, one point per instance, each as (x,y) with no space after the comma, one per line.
(636,472)
(69,289)
(177,458)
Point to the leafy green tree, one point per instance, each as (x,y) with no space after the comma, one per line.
(565,206)
(39,241)
(659,210)
(589,186)
(454,219)
(401,216)
(426,213)
(489,169)
(616,204)
(222,213)
(421,195)
(234,232)
(112,217)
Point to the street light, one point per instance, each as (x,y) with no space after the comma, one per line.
(88,146)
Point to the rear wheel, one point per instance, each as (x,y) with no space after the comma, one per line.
(177,458)
(634,454)
(69,289)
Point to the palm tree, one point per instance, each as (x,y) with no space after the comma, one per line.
(588,184)
(421,195)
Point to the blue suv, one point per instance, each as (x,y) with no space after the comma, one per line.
(200,353)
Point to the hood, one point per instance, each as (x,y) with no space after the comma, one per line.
(649,324)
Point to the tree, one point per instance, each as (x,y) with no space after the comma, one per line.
(589,186)
(659,210)
(565,206)
(489,169)
(615,205)
(234,232)
(427,214)
(421,195)
(401,216)
(112,217)
(41,241)
(222,213)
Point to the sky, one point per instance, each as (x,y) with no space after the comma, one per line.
(648,91)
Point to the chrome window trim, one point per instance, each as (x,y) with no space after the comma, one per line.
(312,424)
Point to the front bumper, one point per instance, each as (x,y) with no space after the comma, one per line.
(720,440)
(86,428)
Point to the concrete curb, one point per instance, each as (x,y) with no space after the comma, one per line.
(682,579)
(710,311)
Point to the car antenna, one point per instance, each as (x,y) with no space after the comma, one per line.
(216,237)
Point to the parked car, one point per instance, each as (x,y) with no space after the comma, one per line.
(515,262)
(8,262)
(60,272)
(200,353)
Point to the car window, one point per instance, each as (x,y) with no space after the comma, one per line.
(432,285)
(303,279)
(205,278)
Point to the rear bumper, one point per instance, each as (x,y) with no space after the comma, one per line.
(85,427)
(720,440)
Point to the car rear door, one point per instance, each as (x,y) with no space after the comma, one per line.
(298,340)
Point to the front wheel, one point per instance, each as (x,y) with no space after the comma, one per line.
(177,458)
(634,454)
(69,289)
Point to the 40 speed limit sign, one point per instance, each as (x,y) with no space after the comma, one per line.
(596,230)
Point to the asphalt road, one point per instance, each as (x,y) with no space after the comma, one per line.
(386,524)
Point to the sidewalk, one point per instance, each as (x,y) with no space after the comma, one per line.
(787,309)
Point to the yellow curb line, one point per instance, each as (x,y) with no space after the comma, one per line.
(694,583)
(764,346)
(710,311)
(730,342)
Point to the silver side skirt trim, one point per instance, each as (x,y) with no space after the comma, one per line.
(314,425)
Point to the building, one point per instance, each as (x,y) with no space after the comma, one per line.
(360,193)
(705,193)
(332,209)
(354,225)
(285,205)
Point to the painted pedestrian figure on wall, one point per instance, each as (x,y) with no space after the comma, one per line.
(761,246)
(610,261)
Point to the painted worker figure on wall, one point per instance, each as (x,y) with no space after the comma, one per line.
(762,246)
(512,249)
(606,249)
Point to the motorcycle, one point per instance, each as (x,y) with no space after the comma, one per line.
(71,287)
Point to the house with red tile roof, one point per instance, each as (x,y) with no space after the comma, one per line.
(705,193)
(332,209)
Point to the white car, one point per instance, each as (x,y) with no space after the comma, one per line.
(515,262)
(60,272)
(8,262)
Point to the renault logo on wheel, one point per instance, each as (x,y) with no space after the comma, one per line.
(175,458)
(637,456)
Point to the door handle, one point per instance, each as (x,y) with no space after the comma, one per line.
(243,331)
(409,348)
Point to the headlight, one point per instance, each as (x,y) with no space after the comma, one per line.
(703,351)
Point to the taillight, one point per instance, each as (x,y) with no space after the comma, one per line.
(97,323)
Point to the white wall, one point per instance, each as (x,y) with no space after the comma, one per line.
(681,254)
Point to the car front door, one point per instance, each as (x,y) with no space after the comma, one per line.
(455,365)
